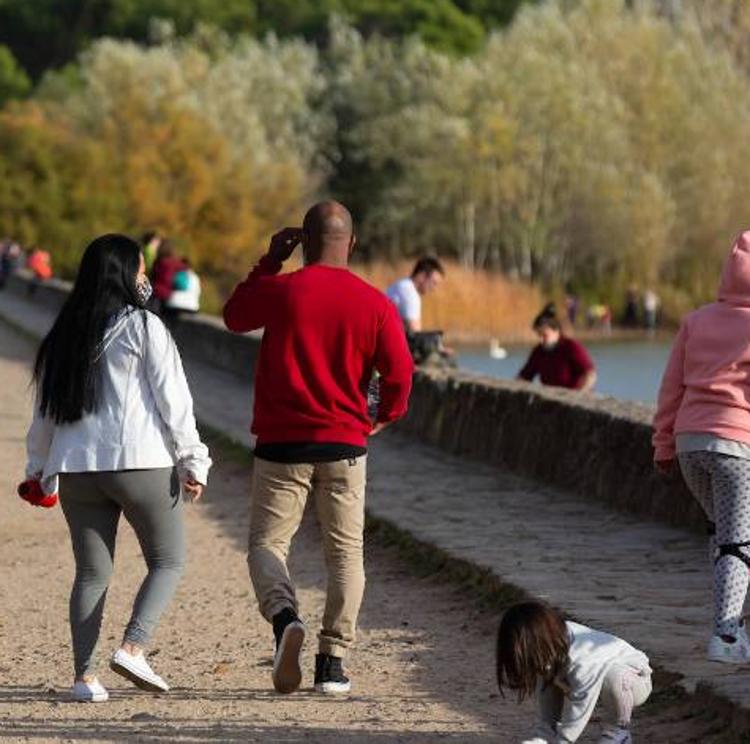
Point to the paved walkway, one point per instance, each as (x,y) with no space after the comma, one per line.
(646,582)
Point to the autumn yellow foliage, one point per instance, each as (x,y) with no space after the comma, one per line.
(470,304)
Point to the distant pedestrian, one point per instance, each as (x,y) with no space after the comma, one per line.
(599,318)
(163,272)
(113,423)
(630,314)
(186,292)
(572,305)
(570,667)
(10,257)
(150,242)
(703,420)
(651,304)
(326,331)
(558,360)
(39,263)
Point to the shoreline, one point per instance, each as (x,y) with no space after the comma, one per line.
(525,338)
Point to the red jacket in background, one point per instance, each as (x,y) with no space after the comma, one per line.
(565,365)
(40,262)
(325,332)
(162,276)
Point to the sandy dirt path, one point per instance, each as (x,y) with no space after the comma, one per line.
(422,670)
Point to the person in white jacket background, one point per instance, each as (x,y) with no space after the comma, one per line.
(113,426)
(570,667)
(186,292)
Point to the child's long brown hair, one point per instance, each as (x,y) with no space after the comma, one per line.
(532,643)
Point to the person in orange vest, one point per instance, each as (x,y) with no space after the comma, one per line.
(39,263)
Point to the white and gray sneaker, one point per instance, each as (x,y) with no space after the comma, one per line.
(89,692)
(730,653)
(137,670)
(616,735)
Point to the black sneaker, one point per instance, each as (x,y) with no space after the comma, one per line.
(329,675)
(289,632)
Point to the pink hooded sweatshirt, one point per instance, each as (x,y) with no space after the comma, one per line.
(706,385)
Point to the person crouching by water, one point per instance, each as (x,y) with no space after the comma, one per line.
(113,423)
(570,667)
(703,421)
(558,360)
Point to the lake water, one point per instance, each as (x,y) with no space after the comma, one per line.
(629,370)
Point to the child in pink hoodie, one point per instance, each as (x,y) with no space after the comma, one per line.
(703,420)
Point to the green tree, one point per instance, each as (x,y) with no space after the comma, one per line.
(46,34)
(49,33)
(131,19)
(439,23)
(14,83)
(492,13)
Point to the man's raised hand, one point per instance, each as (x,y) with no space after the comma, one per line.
(284,242)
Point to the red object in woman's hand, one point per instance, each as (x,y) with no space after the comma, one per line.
(31,491)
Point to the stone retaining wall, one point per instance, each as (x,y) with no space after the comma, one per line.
(598,447)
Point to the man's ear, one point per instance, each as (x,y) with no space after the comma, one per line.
(352,243)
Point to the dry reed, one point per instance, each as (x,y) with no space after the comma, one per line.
(469,305)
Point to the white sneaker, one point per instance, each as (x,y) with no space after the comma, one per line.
(138,671)
(89,692)
(616,735)
(730,653)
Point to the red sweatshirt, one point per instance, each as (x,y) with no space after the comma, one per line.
(565,365)
(325,332)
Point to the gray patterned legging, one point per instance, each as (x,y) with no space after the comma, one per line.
(721,483)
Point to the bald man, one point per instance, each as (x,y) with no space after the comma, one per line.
(325,332)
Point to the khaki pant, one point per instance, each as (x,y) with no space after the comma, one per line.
(279,494)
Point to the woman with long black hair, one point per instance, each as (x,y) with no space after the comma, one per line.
(114,426)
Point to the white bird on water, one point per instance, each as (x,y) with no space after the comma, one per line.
(497,351)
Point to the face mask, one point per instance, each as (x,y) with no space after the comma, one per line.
(143,290)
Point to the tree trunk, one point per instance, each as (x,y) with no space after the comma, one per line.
(469,236)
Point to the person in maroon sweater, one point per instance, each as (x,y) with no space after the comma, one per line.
(558,360)
(163,272)
(325,332)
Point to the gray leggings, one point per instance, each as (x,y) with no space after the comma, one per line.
(721,483)
(92,503)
